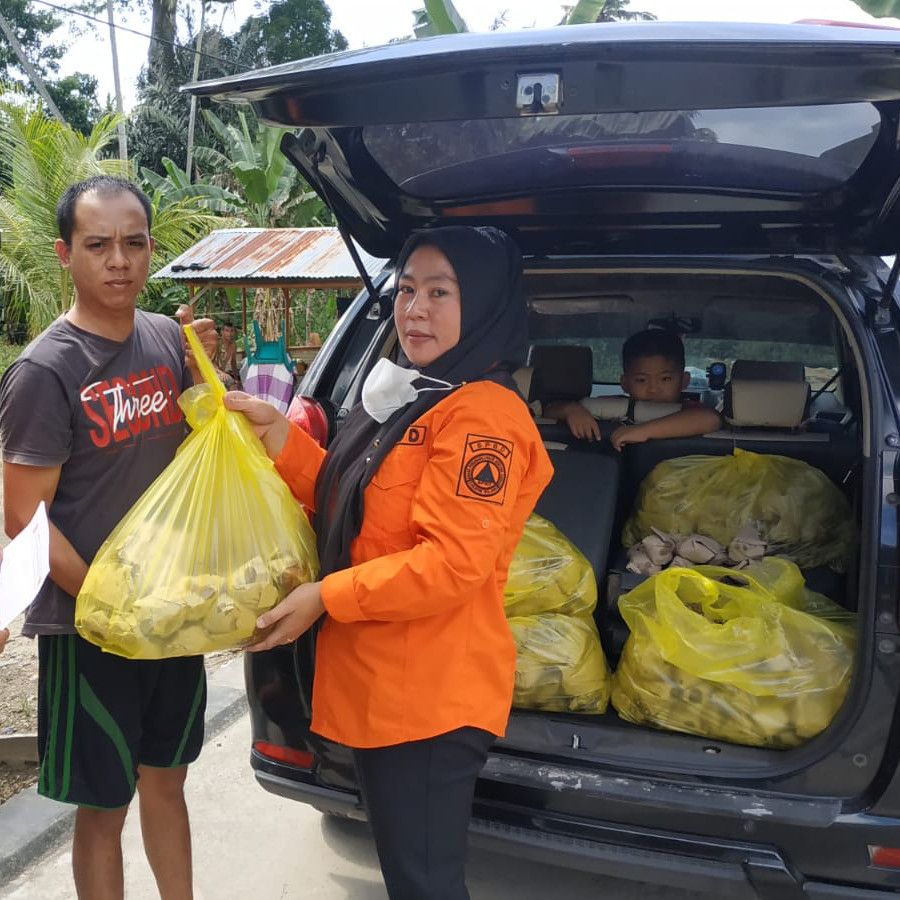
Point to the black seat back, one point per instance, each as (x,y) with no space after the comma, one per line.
(581,502)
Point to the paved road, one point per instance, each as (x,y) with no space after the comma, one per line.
(251,844)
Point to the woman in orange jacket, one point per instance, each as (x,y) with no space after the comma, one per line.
(419,504)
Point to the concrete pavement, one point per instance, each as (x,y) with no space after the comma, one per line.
(248,843)
(31,825)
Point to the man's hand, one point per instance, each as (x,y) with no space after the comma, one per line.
(205,329)
(4,637)
(296,614)
(271,427)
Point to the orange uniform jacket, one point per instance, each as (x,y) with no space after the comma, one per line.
(415,642)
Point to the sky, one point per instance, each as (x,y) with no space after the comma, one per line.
(372,22)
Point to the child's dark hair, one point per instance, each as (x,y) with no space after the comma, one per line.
(653,342)
(100,184)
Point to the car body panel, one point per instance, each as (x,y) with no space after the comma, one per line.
(654,141)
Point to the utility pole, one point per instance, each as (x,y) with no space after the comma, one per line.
(192,118)
(33,73)
(120,109)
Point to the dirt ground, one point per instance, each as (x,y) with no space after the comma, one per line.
(18,705)
(18,702)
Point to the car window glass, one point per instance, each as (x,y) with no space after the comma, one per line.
(715,327)
(805,148)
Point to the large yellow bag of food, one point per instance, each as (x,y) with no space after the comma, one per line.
(217,539)
(733,656)
(548,573)
(560,664)
(549,598)
(793,506)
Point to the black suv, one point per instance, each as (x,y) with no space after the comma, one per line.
(742,185)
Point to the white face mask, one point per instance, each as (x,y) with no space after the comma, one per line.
(389,387)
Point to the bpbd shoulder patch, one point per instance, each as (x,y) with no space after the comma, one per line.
(485,468)
(414,436)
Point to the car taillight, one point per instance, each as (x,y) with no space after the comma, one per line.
(309,415)
(885,857)
(285,755)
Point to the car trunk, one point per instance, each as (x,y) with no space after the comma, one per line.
(735,303)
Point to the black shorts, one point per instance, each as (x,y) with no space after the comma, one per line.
(100,716)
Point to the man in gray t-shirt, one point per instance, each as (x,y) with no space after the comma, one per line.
(88,418)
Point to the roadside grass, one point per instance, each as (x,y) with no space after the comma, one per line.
(8,352)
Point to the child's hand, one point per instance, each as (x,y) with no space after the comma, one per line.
(581,423)
(628,434)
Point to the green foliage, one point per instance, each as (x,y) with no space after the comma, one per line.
(291,29)
(44,157)
(288,30)
(74,95)
(8,354)
(604,11)
(33,27)
(312,311)
(880,8)
(264,189)
(441,17)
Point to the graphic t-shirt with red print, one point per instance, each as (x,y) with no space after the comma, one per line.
(107,413)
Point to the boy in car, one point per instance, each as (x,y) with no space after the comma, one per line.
(652,370)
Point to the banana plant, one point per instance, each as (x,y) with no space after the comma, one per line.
(880,8)
(441,16)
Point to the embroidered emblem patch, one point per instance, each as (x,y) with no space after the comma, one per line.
(485,468)
(415,436)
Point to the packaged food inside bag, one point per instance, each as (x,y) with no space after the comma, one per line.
(217,539)
(549,598)
(752,657)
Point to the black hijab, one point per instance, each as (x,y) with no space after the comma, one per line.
(492,344)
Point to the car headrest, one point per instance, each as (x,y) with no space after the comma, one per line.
(566,371)
(767,394)
(528,381)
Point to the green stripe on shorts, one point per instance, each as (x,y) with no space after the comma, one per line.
(198,695)
(98,712)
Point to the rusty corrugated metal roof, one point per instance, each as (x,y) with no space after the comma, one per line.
(259,255)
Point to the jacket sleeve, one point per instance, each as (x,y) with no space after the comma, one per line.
(460,518)
(299,463)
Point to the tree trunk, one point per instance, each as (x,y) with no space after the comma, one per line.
(161,56)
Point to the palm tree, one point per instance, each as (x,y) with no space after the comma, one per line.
(42,158)
(603,11)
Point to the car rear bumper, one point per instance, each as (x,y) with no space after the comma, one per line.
(728,869)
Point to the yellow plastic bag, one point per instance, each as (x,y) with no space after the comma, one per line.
(733,655)
(560,664)
(548,574)
(549,598)
(213,542)
(794,507)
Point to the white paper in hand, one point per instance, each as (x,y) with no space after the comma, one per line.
(26,563)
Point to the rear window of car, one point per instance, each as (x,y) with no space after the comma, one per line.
(769,320)
(793,149)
